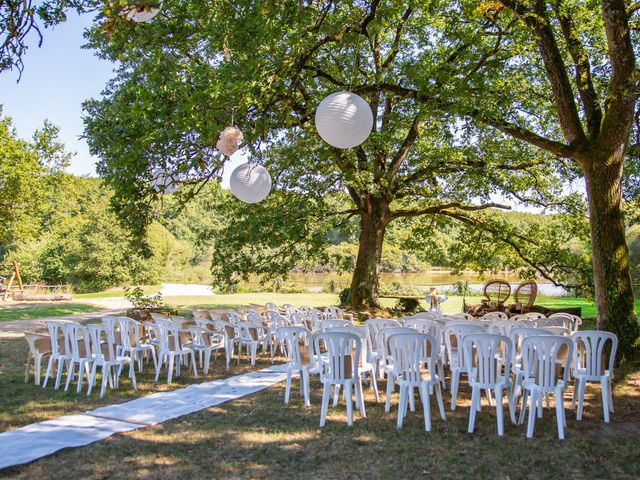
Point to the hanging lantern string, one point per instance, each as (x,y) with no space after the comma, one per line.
(355,60)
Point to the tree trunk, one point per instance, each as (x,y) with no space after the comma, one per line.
(366,276)
(610,254)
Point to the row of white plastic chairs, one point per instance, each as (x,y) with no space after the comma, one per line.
(489,360)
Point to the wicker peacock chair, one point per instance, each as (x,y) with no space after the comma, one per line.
(524,296)
(496,292)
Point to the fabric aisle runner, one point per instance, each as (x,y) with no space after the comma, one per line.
(37,440)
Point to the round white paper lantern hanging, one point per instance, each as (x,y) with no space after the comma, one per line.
(141,13)
(162,182)
(250,183)
(344,120)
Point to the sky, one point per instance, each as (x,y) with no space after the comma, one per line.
(56,79)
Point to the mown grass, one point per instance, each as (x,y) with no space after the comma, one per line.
(259,437)
(29,310)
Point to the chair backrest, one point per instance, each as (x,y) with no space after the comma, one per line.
(272,306)
(488,357)
(427,315)
(489,317)
(541,357)
(424,325)
(522,317)
(103,347)
(525,294)
(558,330)
(382,340)
(343,351)
(297,317)
(275,320)
(169,335)
(234,317)
(200,314)
(327,325)
(254,318)
(247,331)
(557,321)
(590,352)
(361,332)
(410,351)
(459,316)
(535,315)
(78,339)
(373,326)
(59,337)
(518,334)
(453,335)
(305,309)
(502,327)
(334,313)
(497,291)
(569,321)
(157,316)
(316,317)
(112,322)
(299,342)
(129,332)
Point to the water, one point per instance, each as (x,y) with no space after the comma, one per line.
(423,280)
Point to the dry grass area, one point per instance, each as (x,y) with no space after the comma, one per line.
(24,403)
(259,437)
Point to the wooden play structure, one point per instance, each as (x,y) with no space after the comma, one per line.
(7,283)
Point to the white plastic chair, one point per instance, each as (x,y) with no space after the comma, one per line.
(228,333)
(411,353)
(171,347)
(206,338)
(567,320)
(103,351)
(431,327)
(39,347)
(590,365)
(564,331)
(131,341)
(488,358)
(453,335)
(80,354)
(327,325)
(460,316)
(334,313)
(60,350)
(502,327)
(340,368)
(541,357)
(494,316)
(300,358)
(251,336)
(373,326)
(365,368)
(386,361)
(518,334)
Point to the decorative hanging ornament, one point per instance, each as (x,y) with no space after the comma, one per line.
(250,183)
(344,120)
(162,182)
(141,12)
(229,141)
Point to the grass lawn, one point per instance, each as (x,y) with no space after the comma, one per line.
(41,310)
(259,437)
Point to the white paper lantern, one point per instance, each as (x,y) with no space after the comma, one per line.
(344,120)
(143,13)
(162,182)
(250,183)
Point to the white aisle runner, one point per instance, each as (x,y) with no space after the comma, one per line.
(37,440)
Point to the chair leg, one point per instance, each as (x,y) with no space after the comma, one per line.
(326,392)
(488,391)
(532,412)
(475,399)
(170,368)
(207,360)
(583,385)
(390,388)
(426,405)
(360,398)
(306,388)
(574,397)
(499,411)
(511,402)
(403,398)
(287,389)
(132,374)
(412,399)
(336,395)
(193,364)
(455,380)
(48,372)
(71,370)
(348,391)
(605,385)
(106,374)
(525,397)
(374,386)
(438,389)
(92,378)
(59,373)
(560,413)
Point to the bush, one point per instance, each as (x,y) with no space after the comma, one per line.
(139,300)
(344,297)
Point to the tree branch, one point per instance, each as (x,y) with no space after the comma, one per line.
(442,209)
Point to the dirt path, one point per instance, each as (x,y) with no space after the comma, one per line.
(110,306)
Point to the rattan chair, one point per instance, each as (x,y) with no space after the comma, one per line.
(524,296)
(496,293)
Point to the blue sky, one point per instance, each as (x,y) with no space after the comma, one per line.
(57,78)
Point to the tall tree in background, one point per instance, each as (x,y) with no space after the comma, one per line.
(175,89)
